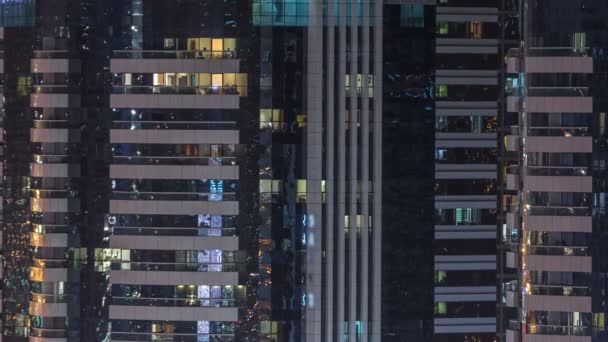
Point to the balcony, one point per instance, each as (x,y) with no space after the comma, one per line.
(557,211)
(549,52)
(176,97)
(559,290)
(174,242)
(556,91)
(48,274)
(556,171)
(179,302)
(173,196)
(145,336)
(558,263)
(558,250)
(556,333)
(170,231)
(174,54)
(512,181)
(173,207)
(162,160)
(174,171)
(177,274)
(52,298)
(179,90)
(512,143)
(576,184)
(177,266)
(152,61)
(186,313)
(48,240)
(559,223)
(175,125)
(48,309)
(513,332)
(512,294)
(512,259)
(173,136)
(55,61)
(568,102)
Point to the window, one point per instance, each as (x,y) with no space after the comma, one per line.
(442,90)
(360,81)
(476,29)
(441,308)
(271,118)
(443,27)
(169,43)
(440,277)
(579,40)
(412,16)
(270,186)
(301,190)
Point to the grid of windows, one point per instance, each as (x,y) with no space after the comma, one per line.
(280,12)
(16,13)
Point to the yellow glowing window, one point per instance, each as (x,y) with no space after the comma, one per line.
(204,80)
(476,29)
(193,44)
(271,118)
(301,118)
(301,186)
(265,115)
(229,44)
(24,85)
(159,79)
(216,80)
(301,190)
(229,79)
(217,46)
(241,83)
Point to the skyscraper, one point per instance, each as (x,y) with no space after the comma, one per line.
(555,220)
(409,162)
(192,170)
(467,93)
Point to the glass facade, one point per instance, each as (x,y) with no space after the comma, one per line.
(15,13)
(408,158)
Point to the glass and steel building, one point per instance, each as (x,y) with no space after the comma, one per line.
(408,172)
(192,170)
(556,215)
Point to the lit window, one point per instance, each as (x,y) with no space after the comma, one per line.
(169,43)
(579,41)
(440,277)
(442,90)
(441,308)
(476,29)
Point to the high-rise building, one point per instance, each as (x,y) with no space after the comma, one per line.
(409,159)
(192,170)
(467,94)
(555,233)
